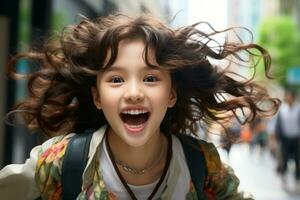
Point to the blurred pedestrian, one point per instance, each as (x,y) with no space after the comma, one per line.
(272,143)
(234,133)
(246,133)
(260,136)
(288,134)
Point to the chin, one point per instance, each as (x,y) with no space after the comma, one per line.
(136,141)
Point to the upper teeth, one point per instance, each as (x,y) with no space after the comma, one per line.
(134,112)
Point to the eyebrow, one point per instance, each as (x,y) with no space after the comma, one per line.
(118,68)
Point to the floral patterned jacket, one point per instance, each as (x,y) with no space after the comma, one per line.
(221,183)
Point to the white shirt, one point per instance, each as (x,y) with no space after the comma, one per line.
(178,176)
(290,119)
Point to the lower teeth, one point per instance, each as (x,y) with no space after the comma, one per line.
(136,126)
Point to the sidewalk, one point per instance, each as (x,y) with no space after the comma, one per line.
(257,174)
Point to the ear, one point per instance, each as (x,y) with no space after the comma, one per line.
(96,97)
(173,98)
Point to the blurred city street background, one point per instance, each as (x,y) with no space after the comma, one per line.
(275,24)
(257,173)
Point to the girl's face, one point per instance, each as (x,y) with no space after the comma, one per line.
(133,96)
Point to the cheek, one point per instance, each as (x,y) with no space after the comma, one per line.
(109,106)
(108,97)
(161,97)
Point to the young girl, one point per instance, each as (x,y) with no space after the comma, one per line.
(139,84)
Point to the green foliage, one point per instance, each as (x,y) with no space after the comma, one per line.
(24,23)
(59,20)
(280,36)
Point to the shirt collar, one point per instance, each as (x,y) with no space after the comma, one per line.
(94,147)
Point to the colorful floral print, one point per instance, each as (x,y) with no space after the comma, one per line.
(48,171)
(220,183)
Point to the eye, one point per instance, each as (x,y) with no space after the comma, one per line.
(116,79)
(150,78)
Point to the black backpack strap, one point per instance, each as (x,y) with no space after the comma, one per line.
(75,160)
(195,161)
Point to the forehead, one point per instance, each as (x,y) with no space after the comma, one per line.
(132,48)
(131,52)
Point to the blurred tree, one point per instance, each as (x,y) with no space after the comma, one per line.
(59,20)
(279,35)
(286,6)
(24,25)
(290,7)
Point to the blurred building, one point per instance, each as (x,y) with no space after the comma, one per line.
(3,54)
(8,26)
(70,9)
(250,13)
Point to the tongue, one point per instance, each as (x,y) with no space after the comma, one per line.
(135,119)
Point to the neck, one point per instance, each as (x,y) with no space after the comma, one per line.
(135,156)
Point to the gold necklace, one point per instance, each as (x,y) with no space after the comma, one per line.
(166,167)
(136,171)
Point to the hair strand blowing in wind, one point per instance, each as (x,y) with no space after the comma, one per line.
(60,100)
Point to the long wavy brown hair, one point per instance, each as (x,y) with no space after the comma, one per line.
(60,100)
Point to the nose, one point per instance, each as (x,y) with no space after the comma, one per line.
(134,92)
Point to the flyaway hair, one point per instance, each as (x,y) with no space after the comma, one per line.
(60,99)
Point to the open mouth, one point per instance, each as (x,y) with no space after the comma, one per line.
(135,118)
